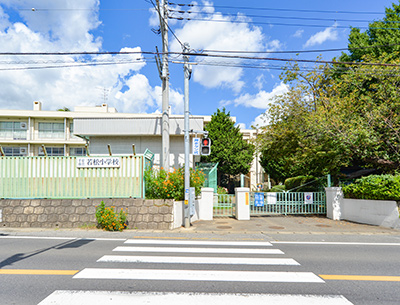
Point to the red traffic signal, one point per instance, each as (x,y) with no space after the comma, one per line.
(205,146)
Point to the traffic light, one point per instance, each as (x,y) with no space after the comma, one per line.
(205,146)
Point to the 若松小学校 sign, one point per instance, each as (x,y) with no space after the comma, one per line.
(98,162)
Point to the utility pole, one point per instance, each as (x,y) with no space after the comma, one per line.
(163,14)
(187,72)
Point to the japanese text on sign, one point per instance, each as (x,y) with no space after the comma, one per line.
(98,162)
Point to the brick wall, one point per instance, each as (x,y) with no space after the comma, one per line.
(75,213)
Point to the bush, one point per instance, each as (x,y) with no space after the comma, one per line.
(161,184)
(222,190)
(375,187)
(108,219)
(297,184)
(278,188)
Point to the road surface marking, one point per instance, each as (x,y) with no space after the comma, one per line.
(377,278)
(334,243)
(198,275)
(197,250)
(198,242)
(61,238)
(61,297)
(38,272)
(198,260)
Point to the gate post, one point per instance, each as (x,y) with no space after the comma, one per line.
(242,195)
(334,202)
(206,201)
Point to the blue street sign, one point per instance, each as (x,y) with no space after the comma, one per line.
(258,199)
(196,146)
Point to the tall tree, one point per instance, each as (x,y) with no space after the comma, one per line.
(228,148)
(381,40)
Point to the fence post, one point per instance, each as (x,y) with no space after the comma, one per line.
(206,202)
(242,195)
(334,201)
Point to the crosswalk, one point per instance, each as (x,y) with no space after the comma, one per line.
(194,260)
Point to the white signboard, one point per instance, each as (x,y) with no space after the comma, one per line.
(196,146)
(271,198)
(98,162)
(308,198)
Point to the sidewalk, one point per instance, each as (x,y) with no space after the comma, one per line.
(274,227)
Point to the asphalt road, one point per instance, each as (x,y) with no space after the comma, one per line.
(32,269)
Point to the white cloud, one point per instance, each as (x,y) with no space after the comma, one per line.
(330,33)
(261,100)
(260,121)
(298,34)
(241,125)
(213,35)
(50,31)
(259,81)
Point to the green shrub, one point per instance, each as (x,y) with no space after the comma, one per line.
(161,184)
(108,218)
(376,187)
(222,190)
(278,188)
(303,184)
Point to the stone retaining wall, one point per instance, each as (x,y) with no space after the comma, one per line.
(75,213)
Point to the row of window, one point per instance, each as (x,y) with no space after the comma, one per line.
(18,130)
(13,151)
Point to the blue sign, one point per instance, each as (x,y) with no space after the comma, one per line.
(258,199)
(196,146)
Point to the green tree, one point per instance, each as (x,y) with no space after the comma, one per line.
(228,148)
(381,40)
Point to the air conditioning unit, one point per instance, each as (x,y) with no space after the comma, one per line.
(23,150)
(23,125)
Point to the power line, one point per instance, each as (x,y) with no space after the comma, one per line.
(278,23)
(278,9)
(282,17)
(66,66)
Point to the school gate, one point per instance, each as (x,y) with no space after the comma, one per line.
(268,203)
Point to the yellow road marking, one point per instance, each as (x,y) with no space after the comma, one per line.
(38,272)
(377,278)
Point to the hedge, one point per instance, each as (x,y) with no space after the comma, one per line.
(374,187)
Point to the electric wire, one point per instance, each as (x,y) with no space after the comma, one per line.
(278,9)
(281,24)
(282,17)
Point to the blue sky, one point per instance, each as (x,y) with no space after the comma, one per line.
(126,25)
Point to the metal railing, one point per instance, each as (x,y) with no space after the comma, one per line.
(224,205)
(284,203)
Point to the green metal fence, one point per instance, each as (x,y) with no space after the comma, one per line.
(211,174)
(284,203)
(71,177)
(224,205)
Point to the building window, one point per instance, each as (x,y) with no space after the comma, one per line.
(51,130)
(77,151)
(52,151)
(14,151)
(13,130)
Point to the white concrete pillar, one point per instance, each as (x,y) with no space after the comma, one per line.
(334,202)
(242,203)
(205,208)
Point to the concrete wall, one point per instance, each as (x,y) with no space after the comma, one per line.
(203,208)
(48,213)
(375,212)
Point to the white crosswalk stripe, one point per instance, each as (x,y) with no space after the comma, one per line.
(197,260)
(198,250)
(175,257)
(199,242)
(157,298)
